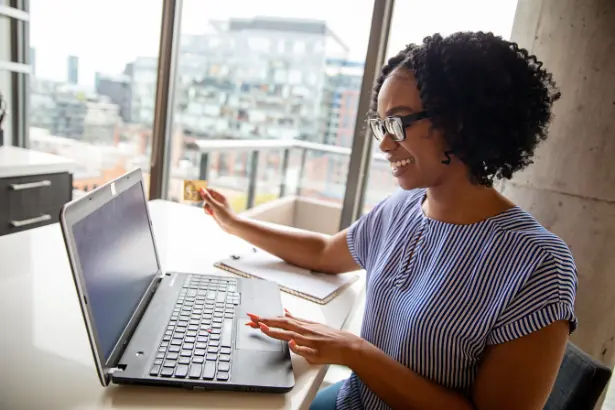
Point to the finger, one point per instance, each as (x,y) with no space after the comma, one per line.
(252,325)
(290,315)
(310,354)
(216,195)
(282,323)
(209,200)
(287,335)
(208,209)
(255,318)
(296,319)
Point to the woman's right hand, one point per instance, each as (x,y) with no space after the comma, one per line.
(217,205)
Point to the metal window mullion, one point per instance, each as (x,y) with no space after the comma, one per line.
(362,142)
(170,30)
(20,76)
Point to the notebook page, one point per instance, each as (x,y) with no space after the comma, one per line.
(268,267)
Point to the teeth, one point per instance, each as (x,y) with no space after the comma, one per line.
(403,162)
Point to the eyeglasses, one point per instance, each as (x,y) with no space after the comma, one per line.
(395,126)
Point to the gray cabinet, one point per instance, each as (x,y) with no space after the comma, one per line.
(31,201)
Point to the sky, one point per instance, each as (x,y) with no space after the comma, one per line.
(107,34)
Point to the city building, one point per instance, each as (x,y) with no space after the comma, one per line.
(56,109)
(328,173)
(340,101)
(96,163)
(249,78)
(142,74)
(72,111)
(72,66)
(33,61)
(101,120)
(119,89)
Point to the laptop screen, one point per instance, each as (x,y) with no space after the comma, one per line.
(118,261)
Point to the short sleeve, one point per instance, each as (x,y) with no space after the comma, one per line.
(363,236)
(546,297)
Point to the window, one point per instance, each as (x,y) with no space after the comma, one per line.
(467,15)
(6,78)
(299,47)
(289,102)
(312,79)
(92,94)
(280,76)
(295,77)
(281,46)
(259,44)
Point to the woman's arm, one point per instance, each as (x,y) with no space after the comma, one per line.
(310,250)
(400,387)
(520,374)
(306,249)
(513,375)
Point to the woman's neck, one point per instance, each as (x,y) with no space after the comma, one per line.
(462,202)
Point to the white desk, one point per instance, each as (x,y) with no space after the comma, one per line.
(19,162)
(45,359)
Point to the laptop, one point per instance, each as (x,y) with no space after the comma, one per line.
(151,327)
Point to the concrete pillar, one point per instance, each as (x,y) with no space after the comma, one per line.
(571,187)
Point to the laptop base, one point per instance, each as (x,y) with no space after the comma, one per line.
(256,363)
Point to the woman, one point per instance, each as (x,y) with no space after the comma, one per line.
(469,299)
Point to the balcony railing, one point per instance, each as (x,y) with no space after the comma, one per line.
(255,147)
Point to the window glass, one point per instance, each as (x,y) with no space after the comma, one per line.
(6,77)
(92,93)
(284,89)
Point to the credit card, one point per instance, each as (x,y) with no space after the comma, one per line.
(191,189)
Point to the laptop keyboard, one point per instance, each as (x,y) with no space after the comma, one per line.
(197,341)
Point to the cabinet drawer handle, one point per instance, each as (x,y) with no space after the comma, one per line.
(30,185)
(24,222)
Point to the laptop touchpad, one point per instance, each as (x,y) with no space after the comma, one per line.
(254,339)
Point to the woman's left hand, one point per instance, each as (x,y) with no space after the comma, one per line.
(317,343)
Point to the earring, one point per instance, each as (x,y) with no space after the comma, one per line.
(447,154)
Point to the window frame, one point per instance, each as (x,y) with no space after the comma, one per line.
(361,148)
(20,69)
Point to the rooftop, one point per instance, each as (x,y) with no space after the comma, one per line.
(276,24)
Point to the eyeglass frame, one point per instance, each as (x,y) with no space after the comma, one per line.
(404,121)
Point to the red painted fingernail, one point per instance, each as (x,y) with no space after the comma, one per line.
(251,324)
(286,310)
(292,342)
(263,327)
(253,317)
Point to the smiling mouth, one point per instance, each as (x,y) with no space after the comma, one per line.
(399,167)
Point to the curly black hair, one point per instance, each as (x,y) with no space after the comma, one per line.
(491,99)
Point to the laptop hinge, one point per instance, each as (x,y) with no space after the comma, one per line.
(127,333)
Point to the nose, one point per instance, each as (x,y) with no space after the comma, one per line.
(387,143)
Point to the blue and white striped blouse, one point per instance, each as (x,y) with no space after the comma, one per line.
(439,293)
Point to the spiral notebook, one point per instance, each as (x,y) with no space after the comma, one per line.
(314,286)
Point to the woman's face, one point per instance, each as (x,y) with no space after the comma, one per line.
(416,161)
